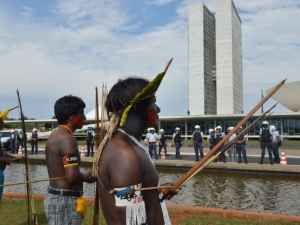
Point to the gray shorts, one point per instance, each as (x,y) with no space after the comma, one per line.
(60,210)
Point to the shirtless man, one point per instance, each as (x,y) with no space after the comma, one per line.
(125,164)
(63,161)
(5,158)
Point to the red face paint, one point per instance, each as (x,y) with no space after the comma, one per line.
(152,117)
(78,121)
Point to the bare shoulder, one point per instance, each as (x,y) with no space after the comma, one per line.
(120,164)
(60,139)
(119,149)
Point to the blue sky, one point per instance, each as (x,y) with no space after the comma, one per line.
(52,48)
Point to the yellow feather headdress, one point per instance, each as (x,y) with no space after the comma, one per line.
(145,93)
(4,114)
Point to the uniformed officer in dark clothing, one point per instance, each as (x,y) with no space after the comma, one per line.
(197,140)
(90,142)
(241,148)
(15,141)
(34,141)
(266,142)
(218,137)
(162,142)
(177,141)
(276,142)
(211,138)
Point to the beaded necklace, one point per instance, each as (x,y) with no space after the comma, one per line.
(68,129)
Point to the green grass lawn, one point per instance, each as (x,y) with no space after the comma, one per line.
(13,212)
(214,220)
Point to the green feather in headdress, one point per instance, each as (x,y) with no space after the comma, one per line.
(4,114)
(145,93)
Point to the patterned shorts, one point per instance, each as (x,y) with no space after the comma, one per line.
(1,182)
(60,210)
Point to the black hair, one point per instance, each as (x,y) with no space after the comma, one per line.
(124,91)
(66,107)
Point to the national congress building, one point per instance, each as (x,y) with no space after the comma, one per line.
(215,59)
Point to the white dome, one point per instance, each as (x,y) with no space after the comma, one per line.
(288,95)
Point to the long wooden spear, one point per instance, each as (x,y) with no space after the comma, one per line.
(27,177)
(97,141)
(194,170)
(247,129)
(235,139)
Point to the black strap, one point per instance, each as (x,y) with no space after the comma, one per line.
(63,192)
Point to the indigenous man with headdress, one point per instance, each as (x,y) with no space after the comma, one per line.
(5,158)
(125,165)
(63,204)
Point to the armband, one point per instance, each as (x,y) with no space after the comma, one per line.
(71,165)
(70,161)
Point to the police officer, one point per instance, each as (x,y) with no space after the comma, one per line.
(211,138)
(177,139)
(90,142)
(162,142)
(276,142)
(218,137)
(197,140)
(241,147)
(34,141)
(152,139)
(231,152)
(266,142)
(15,141)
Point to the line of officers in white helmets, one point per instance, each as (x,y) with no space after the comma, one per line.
(270,139)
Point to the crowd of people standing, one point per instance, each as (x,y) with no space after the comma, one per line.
(269,138)
(16,140)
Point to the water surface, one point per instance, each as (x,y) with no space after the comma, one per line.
(220,190)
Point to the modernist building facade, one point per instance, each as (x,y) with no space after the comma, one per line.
(215,59)
(288,124)
(229,59)
(202,61)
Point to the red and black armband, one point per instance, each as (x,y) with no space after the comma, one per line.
(70,161)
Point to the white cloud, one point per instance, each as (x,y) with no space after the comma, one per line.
(86,13)
(27,11)
(82,51)
(87,43)
(261,5)
(159,2)
(270,53)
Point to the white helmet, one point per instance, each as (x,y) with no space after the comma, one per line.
(230,128)
(272,128)
(197,127)
(148,129)
(210,130)
(218,127)
(265,122)
(177,128)
(161,130)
